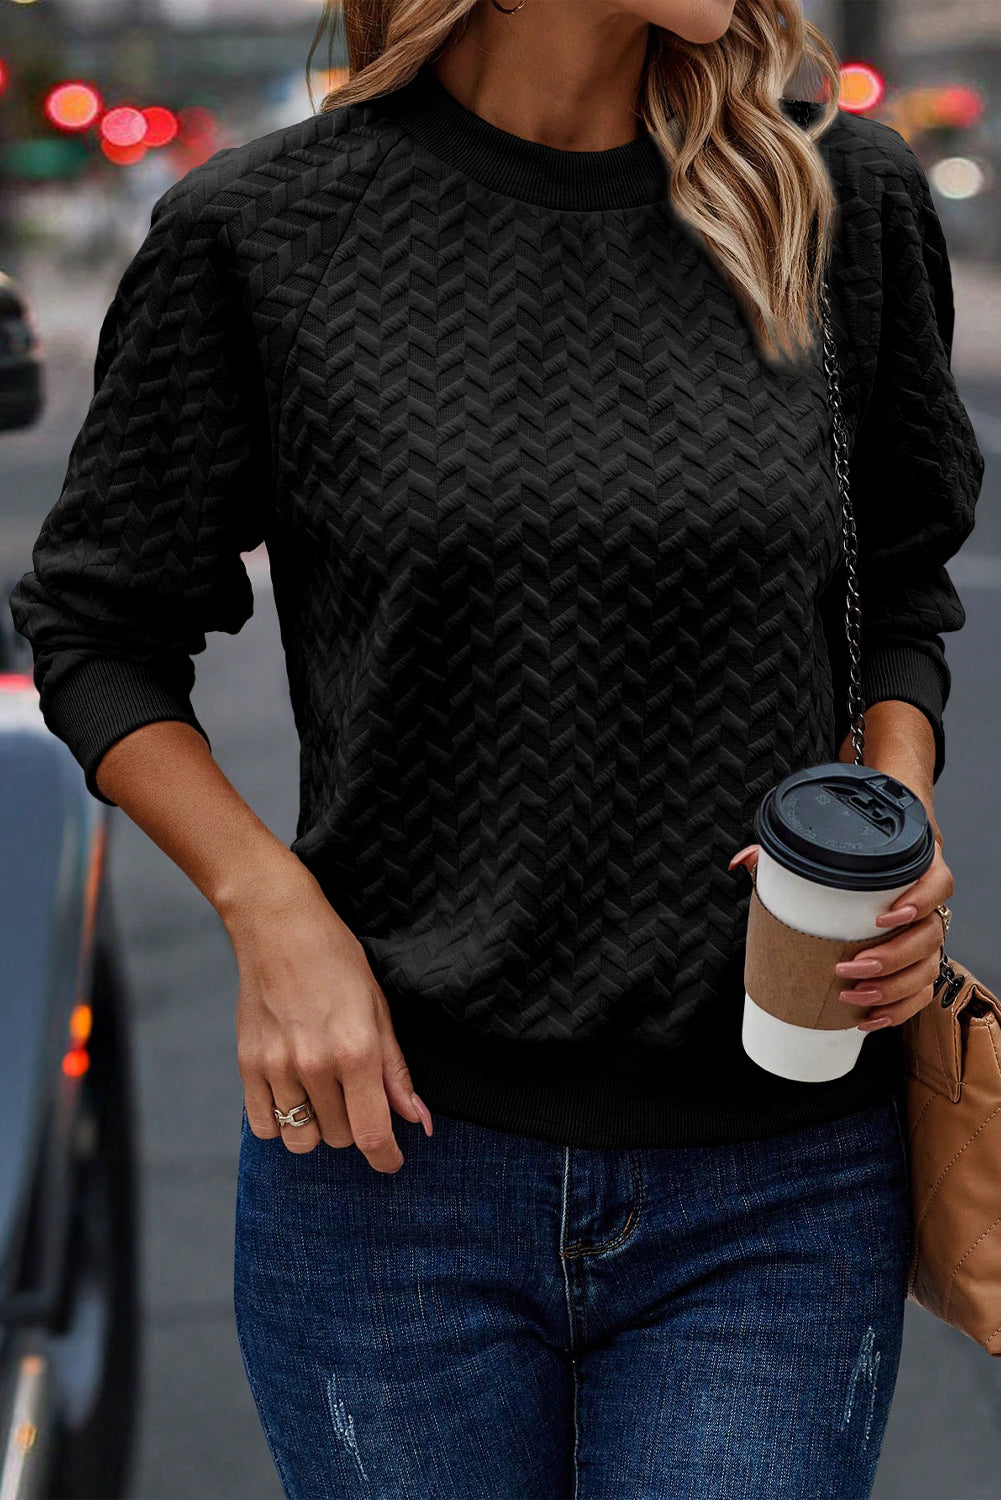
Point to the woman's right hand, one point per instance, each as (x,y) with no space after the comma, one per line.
(312,1022)
(311,1019)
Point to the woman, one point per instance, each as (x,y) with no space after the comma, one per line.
(509,355)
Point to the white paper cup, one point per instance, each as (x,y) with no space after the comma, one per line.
(805,1053)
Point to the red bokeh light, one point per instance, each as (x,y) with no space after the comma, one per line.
(76,1062)
(960,105)
(4,74)
(72,106)
(123,156)
(161,125)
(123,126)
(862,87)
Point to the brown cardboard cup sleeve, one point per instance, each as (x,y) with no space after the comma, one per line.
(790,974)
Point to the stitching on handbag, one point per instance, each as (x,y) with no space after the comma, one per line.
(954,1033)
(959,1264)
(938,1049)
(992,1032)
(955,1052)
(992,1020)
(949,1165)
(917,1066)
(915,1124)
(921,1114)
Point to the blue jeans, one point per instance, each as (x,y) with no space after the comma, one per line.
(506,1319)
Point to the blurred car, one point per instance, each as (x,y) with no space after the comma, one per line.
(21,360)
(69,1302)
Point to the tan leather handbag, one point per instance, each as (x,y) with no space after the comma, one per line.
(954,1127)
(953,1051)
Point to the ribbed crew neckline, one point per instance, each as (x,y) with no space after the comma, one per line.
(625,176)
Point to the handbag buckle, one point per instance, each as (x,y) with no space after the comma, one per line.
(953,982)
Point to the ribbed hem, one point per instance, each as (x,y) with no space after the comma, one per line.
(907,673)
(625,176)
(710,1096)
(104,699)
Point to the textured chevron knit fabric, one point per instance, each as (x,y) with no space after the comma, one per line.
(556,558)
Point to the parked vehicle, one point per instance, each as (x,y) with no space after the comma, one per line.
(21,360)
(69,1305)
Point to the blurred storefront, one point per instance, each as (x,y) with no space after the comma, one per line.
(223,70)
(230,70)
(936,67)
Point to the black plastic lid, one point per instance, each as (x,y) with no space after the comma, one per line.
(846,826)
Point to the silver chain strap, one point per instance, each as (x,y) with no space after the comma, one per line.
(853,613)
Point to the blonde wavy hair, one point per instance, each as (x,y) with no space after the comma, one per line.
(745,177)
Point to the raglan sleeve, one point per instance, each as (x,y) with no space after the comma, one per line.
(916,469)
(168,482)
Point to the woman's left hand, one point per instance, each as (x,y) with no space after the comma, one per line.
(895,979)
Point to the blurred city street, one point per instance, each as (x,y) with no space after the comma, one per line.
(200,1438)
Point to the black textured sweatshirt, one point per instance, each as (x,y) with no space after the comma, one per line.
(557,561)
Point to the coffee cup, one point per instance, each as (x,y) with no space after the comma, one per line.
(838,843)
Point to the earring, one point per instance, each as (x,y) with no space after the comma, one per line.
(507,10)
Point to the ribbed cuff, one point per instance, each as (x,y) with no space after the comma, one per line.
(102,700)
(910,675)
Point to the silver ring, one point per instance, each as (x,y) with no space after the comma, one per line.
(290,1119)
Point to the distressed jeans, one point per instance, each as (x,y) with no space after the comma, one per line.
(506,1319)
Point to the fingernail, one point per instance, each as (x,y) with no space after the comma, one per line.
(422,1110)
(860,996)
(873,1025)
(897,916)
(858,968)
